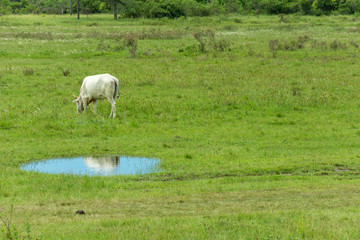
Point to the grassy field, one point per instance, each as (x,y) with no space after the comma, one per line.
(255,121)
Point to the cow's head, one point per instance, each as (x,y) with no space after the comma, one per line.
(79,104)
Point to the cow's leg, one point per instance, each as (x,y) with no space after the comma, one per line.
(94,102)
(85,101)
(113,108)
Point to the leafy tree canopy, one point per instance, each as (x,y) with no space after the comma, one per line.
(178,8)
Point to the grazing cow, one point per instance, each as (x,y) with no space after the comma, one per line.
(98,87)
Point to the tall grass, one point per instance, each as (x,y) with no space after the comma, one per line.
(257,133)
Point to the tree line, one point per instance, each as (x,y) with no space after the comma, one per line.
(178,8)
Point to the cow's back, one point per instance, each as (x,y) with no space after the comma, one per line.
(98,86)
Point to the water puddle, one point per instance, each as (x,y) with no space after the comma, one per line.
(96,166)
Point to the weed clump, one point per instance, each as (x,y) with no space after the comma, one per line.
(28,71)
(274,45)
(237,20)
(199,36)
(335,45)
(35,35)
(353,43)
(66,72)
(154,33)
(93,24)
(321,45)
(283,18)
(207,39)
(130,41)
(11,232)
(288,45)
(230,27)
(102,46)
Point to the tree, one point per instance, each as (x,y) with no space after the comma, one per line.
(325,6)
(115,9)
(78,9)
(306,6)
(349,6)
(17,5)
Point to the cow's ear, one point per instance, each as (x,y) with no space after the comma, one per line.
(76,100)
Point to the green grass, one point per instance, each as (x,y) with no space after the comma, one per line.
(254,142)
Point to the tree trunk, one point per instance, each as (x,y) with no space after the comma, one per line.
(115,10)
(70,8)
(78,9)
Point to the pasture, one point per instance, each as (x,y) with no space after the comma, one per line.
(255,121)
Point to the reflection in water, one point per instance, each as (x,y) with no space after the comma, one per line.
(104,166)
(102,163)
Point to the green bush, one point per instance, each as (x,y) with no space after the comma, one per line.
(275,6)
(215,8)
(179,8)
(349,7)
(232,6)
(153,9)
(133,9)
(305,6)
(194,8)
(325,6)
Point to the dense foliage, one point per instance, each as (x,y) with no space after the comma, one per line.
(178,8)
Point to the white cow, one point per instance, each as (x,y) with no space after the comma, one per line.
(98,87)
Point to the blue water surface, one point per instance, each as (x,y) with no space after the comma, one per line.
(96,166)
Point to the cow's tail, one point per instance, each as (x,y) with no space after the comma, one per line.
(116,92)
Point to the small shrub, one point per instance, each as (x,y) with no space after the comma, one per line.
(303,39)
(130,41)
(118,47)
(283,18)
(188,156)
(237,20)
(296,91)
(290,45)
(189,50)
(96,34)
(35,35)
(199,36)
(322,45)
(222,45)
(207,38)
(44,36)
(28,71)
(274,45)
(251,52)
(78,35)
(210,33)
(23,35)
(354,30)
(334,45)
(93,24)
(157,33)
(66,72)
(102,46)
(230,27)
(353,43)
(10,231)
